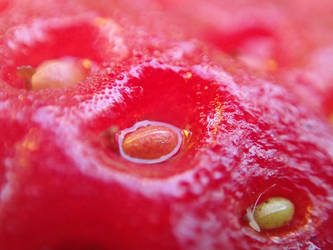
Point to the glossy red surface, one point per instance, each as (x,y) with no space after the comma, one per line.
(63,183)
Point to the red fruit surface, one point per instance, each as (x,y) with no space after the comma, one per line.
(291,41)
(63,182)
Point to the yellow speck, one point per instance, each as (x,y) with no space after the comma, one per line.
(218,116)
(29,144)
(219,111)
(24,148)
(86,63)
(100,21)
(188,75)
(186,132)
(271,65)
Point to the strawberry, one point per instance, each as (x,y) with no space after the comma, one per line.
(150,139)
(268,37)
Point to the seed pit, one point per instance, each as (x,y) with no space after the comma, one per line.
(149,142)
(44,47)
(187,105)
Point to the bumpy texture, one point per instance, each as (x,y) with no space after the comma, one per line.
(63,183)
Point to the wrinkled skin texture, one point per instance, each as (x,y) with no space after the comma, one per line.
(63,183)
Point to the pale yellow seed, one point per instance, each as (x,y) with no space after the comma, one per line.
(57,74)
(274,213)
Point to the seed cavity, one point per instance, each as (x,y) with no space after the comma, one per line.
(149,142)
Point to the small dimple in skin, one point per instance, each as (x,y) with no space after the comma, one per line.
(149,142)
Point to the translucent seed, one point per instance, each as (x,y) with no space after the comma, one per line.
(274,213)
(150,142)
(57,74)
